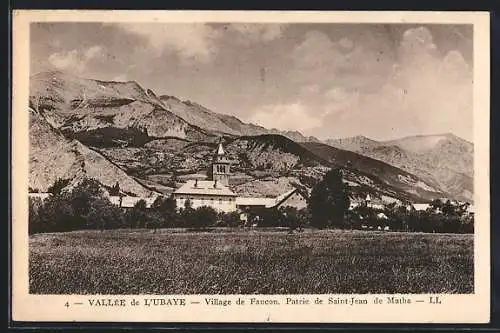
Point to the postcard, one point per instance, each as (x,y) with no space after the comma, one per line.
(250,166)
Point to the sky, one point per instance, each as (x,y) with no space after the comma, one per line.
(326,80)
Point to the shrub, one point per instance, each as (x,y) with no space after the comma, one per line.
(203,217)
(231,219)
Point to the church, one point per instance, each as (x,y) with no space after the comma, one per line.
(216,193)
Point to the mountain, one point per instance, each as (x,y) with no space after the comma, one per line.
(356,143)
(53,156)
(443,160)
(106,113)
(219,123)
(157,142)
(266,165)
(385,173)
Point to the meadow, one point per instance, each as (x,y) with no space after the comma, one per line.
(231,261)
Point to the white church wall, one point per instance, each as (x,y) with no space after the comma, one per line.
(221,204)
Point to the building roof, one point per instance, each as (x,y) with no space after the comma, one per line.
(204,187)
(129,202)
(421,206)
(267,202)
(283,197)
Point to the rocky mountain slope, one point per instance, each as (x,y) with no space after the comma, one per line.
(219,123)
(443,160)
(53,156)
(265,163)
(121,113)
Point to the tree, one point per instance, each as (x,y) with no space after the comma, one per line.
(138,216)
(397,215)
(34,222)
(166,210)
(329,201)
(58,186)
(186,214)
(104,215)
(292,217)
(303,217)
(268,217)
(115,190)
(56,214)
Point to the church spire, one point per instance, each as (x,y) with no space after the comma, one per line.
(220,150)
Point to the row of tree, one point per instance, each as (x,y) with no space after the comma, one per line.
(87,207)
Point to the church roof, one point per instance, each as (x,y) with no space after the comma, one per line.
(205,187)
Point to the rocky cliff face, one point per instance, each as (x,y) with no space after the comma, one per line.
(53,156)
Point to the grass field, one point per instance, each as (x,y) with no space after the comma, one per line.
(249,262)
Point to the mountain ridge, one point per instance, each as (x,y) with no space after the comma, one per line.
(442,159)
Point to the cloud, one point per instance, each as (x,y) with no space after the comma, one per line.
(121,78)
(92,52)
(418,40)
(377,87)
(360,63)
(75,60)
(191,42)
(426,93)
(315,51)
(258,32)
(346,43)
(291,116)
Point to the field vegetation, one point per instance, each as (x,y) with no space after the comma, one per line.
(256,261)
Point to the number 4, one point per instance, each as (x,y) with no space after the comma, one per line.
(66,305)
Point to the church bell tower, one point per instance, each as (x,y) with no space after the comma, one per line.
(221,166)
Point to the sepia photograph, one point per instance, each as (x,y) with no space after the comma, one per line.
(251,158)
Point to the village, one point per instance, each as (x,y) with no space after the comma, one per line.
(215,192)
